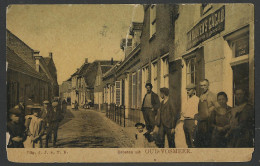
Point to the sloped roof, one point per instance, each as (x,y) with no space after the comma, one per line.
(90,74)
(47,60)
(104,69)
(16,63)
(14,43)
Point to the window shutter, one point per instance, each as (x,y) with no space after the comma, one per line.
(118,92)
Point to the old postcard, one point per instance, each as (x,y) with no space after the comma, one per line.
(130,83)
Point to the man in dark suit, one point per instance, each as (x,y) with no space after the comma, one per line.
(56,118)
(166,120)
(151,104)
(46,116)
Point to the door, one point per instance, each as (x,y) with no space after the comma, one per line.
(241,78)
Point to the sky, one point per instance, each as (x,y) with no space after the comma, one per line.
(73,32)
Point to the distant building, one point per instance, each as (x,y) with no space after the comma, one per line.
(65,90)
(28,75)
(100,95)
(85,81)
(53,71)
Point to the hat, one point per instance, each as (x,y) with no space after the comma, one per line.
(149,84)
(29,106)
(36,106)
(190,86)
(139,124)
(46,102)
(15,111)
(21,99)
(165,91)
(55,104)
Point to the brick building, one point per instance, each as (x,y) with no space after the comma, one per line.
(28,75)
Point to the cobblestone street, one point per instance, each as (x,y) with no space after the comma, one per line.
(90,129)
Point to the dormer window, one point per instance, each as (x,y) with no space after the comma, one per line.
(205,7)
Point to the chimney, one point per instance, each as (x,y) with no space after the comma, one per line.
(36,53)
(86,60)
(126,46)
(112,61)
(50,55)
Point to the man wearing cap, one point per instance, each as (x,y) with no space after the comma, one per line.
(56,118)
(15,129)
(188,114)
(151,104)
(46,117)
(166,120)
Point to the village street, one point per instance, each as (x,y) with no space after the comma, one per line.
(86,128)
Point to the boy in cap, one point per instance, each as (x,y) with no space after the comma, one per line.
(15,129)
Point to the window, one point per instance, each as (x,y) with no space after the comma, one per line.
(139,88)
(118,92)
(191,78)
(134,90)
(105,95)
(112,94)
(164,72)
(241,46)
(145,74)
(154,74)
(152,20)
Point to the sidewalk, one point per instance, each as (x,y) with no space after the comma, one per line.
(128,131)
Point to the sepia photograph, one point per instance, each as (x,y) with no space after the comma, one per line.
(113,82)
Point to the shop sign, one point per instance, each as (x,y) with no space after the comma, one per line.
(206,28)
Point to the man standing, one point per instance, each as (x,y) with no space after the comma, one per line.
(151,104)
(206,106)
(46,116)
(188,115)
(64,106)
(241,133)
(166,120)
(56,118)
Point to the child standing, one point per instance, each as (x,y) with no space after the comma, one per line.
(35,129)
(140,141)
(15,129)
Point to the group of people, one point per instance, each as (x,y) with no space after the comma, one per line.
(205,121)
(28,123)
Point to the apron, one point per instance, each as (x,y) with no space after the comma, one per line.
(180,139)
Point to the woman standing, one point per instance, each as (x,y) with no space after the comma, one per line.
(220,119)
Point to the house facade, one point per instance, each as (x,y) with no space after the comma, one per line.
(213,43)
(28,75)
(100,86)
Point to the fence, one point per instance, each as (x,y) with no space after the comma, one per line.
(123,116)
(116,113)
